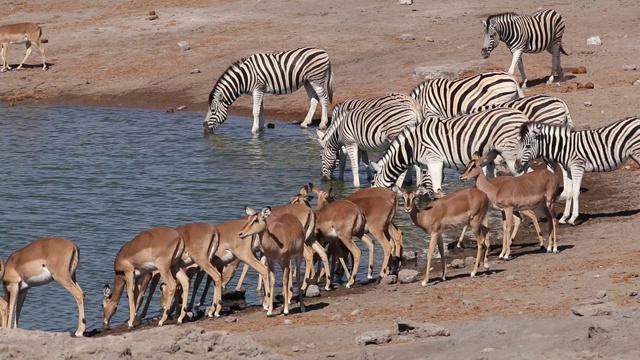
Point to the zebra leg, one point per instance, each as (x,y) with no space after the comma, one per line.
(342,156)
(313,104)
(517,54)
(352,151)
(522,74)
(577,181)
(436,172)
(324,102)
(258,109)
(364,157)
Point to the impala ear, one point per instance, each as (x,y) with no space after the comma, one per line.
(106,291)
(489,158)
(266,212)
(304,190)
(249,210)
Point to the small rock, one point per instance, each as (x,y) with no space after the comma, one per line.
(587,103)
(421,330)
(152,15)
(466,302)
(632,293)
(486,350)
(183,45)
(389,280)
(374,337)
(271,126)
(288,322)
(295,348)
(594,40)
(181,107)
(310,345)
(312,291)
(470,260)
(231,319)
(457,264)
(409,255)
(406,276)
(336,317)
(629,67)
(594,308)
(576,70)
(510,278)
(601,294)
(405,2)
(429,39)
(588,85)
(407,37)
(169,110)
(356,312)
(194,71)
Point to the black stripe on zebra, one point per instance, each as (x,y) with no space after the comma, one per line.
(602,149)
(543,30)
(445,98)
(435,144)
(370,130)
(273,73)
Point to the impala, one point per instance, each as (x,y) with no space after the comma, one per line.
(23,33)
(531,191)
(281,240)
(40,262)
(461,208)
(158,249)
(4,307)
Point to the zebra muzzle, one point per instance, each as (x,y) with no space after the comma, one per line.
(485,52)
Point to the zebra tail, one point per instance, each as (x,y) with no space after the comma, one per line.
(562,50)
(330,85)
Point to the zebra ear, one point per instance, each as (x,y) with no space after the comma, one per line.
(484,23)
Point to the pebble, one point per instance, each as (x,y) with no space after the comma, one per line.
(587,103)
(183,45)
(430,39)
(405,2)
(637,82)
(594,40)
(632,293)
(356,312)
(629,67)
(407,37)
(288,322)
(601,294)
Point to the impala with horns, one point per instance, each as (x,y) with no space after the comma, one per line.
(466,207)
(281,240)
(22,33)
(158,249)
(537,190)
(40,262)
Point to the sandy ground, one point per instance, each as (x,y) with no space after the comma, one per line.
(107,53)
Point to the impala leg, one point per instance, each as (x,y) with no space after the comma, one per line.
(41,50)
(398,237)
(357,255)
(534,219)
(325,261)
(28,45)
(270,282)
(130,283)
(442,260)
(155,279)
(286,278)
(298,265)
(4,312)
(141,286)
(432,247)
(170,286)
(369,243)
(461,238)
(197,279)
(384,242)
(3,53)
(22,296)
(504,236)
(509,223)
(479,234)
(183,279)
(69,282)
(209,269)
(308,256)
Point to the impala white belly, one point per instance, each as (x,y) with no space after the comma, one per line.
(42,278)
(145,268)
(227,257)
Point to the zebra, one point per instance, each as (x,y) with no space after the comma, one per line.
(274,73)
(370,130)
(434,144)
(602,149)
(351,104)
(444,98)
(543,30)
(540,108)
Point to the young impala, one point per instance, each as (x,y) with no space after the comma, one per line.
(23,33)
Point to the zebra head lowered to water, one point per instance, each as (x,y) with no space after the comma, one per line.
(602,149)
(543,30)
(273,73)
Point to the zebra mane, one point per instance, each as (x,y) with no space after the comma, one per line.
(233,67)
(507,15)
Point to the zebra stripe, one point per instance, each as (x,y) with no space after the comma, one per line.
(602,149)
(435,144)
(274,73)
(370,130)
(543,30)
(351,104)
(444,98)
(540,108)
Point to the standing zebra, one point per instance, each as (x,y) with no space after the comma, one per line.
(534,33)
(274,73)
(337,115)
(434,144)
(444,98)
(602,149)
(369,130)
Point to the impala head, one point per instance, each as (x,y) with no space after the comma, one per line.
(491,37)
(302,197)
(109,307)
(324,197)
(474,167)
(410,197)
(217,112)
(256,223)
(528,147)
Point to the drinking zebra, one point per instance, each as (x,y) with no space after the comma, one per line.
(274,73)
(369,130)
(602,149)
(337,115)
(444,98)
(543,30)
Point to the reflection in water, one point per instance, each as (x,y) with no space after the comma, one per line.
(99,176)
